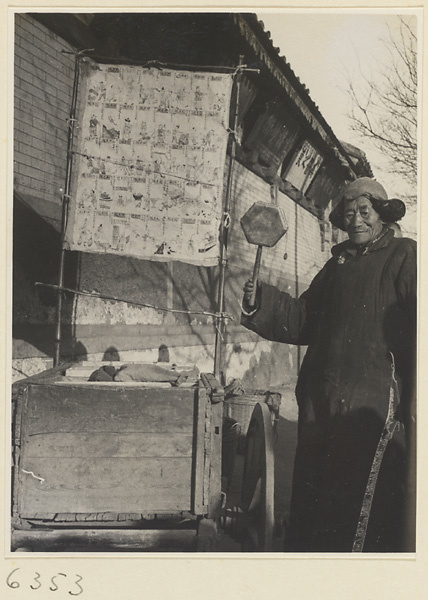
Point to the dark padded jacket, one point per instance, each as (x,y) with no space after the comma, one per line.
(358,318)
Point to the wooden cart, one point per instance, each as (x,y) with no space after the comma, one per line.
(126,467)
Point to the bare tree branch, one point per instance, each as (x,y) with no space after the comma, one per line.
(384,106)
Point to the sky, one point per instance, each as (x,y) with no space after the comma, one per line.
(323,49)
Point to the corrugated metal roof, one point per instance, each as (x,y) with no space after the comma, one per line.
(291,83)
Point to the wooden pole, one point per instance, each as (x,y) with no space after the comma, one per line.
(65,202)
(220,323)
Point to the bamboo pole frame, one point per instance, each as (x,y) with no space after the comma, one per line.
(65,204)
(221,317)
(224,234)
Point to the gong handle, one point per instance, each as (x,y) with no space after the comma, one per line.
(256,274)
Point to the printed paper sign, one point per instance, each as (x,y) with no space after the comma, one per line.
(149,162)
(304,167)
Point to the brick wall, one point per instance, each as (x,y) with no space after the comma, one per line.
(290,265)
(43,86)
(299,254)
(43,90)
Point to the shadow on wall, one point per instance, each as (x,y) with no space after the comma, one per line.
(179,286)
(274,368)
(36,251)
(111,354)
(171,286)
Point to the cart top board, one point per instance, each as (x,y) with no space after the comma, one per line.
(97,452)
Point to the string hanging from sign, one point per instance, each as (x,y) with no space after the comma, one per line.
(129,165)
(157,64)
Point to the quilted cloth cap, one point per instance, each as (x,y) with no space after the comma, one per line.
(364,186)
(389,210)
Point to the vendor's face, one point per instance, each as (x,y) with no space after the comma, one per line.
(362,222)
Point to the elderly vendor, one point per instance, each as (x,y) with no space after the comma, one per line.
(352,490)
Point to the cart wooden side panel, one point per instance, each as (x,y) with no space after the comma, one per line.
(95,450)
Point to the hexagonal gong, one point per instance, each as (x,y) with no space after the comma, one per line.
(264,224)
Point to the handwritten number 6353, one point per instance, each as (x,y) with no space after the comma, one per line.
(13,583)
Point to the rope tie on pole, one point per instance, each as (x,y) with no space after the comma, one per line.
(227,220)
(234,134)
(71,122)
(218,327)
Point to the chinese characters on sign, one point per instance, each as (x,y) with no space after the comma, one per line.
(149,162)
(304,167)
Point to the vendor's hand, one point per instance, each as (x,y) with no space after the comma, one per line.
(248,291)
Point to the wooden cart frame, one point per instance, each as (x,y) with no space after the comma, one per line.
(117,466)
(105,467)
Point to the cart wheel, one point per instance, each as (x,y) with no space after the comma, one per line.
(257,496)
